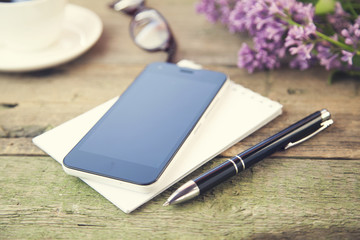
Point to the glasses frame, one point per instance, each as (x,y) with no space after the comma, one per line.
(170,47)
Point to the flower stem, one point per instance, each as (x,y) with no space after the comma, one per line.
(337,43)
(325,37)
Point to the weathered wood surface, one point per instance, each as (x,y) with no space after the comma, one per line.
(278,198)
(309,192)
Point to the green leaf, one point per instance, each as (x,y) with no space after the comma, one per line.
(356,61)
(324,6)
(314,2)
(339,74)
(332,76)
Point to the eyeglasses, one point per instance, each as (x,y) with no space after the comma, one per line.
(148,28)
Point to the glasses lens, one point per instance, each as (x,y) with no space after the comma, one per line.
(150,31)
(127,6)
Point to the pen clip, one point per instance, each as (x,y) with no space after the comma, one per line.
(323,125)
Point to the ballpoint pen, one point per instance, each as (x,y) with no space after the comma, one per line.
(289,137)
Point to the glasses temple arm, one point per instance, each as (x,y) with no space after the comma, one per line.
(171,51)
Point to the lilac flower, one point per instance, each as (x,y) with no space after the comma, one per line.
(244,17)
(225,9)
(302,13)
(288,27)
(327,58)
(303,51)
(300,63)
(296,40)
(352,34)
(216,10)
(260,19)
(297,35)
(262,58)
(263,19)
(247,59)
(347,57)
(209,8)
(340,19)
(275,8)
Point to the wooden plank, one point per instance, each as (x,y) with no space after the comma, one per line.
(68,93)
(308,192)
(277,198)
(198,39)
(18,147)
(301,93)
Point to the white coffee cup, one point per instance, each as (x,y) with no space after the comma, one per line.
(30,25)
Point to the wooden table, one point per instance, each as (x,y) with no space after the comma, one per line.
(309,192)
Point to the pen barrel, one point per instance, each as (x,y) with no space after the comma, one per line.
(278,141)
(215,176)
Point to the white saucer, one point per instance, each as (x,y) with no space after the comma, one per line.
(81,29)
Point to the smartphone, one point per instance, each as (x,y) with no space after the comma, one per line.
(136,139)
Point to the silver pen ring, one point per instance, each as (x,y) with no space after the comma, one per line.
(242,161)
(236,168)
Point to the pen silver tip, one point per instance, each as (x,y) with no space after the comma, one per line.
(183,193)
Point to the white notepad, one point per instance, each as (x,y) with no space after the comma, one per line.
(237,114)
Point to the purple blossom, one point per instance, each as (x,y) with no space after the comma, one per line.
(352,34)
(276,9)
(247,59)
(298,41)
(303,51)
(209,9)
(298,34)
(286,27)
(225,9)
(262,19)
(327,59)
(352,38)
(300,63)
(302,13)
(252,60)
(340,19)
(347,57)
(216,10)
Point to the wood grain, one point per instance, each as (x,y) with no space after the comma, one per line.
(67,94)
(275,199)
(308,192)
